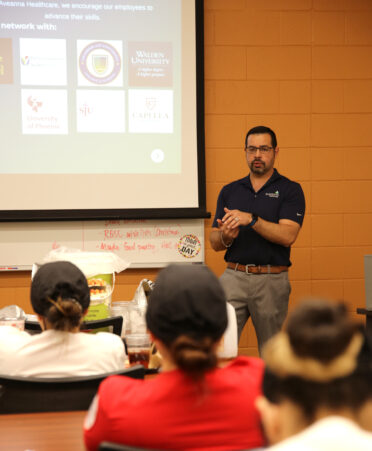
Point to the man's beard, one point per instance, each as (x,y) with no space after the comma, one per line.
(258,170)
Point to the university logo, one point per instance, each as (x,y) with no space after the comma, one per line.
(85,109)
(150,103)
(34,103)
(25,60)
(100,63)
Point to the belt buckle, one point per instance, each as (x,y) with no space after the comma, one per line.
(247,268)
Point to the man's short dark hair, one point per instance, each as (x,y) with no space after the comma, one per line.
(259,130)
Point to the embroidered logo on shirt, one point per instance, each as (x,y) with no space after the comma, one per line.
(275,195)
(299,214)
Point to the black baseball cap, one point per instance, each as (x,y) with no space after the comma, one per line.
(58,279)
(187,300)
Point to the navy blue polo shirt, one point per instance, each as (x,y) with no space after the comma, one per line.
(279,198)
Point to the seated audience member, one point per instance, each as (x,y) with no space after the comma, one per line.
(192,403)
(317,382)
(60,297)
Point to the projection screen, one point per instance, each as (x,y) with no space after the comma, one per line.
(102,111)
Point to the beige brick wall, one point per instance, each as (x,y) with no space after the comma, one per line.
(304,68)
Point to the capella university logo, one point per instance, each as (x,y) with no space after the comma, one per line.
(100,63)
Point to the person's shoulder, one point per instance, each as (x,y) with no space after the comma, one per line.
(287,181)
(249,364)
(12,341)
(236,183)
(108,341)
(289,445)
(100,339)
(13,336)
(119,380)
(247,369)
(119,386)
(11,331)
(331,432)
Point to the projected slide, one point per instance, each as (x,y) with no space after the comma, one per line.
(99,107)
(90,78)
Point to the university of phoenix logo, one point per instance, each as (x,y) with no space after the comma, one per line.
(34,103)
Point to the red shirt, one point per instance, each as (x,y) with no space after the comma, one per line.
(171,412)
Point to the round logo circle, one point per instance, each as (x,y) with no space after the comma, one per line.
(100,63)
(189,246)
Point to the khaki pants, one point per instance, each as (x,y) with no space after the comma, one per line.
(264,297)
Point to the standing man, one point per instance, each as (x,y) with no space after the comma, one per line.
(257,220)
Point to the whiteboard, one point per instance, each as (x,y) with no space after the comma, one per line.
(144,243)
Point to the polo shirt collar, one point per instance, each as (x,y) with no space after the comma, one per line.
(275,176)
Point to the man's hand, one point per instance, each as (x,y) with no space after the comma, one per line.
(228,233)
(223,236)
(283,233)
(235,218)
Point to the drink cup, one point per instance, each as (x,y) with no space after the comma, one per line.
(14,316)
(138,348)
(137,321)
(120,308)
(14,322)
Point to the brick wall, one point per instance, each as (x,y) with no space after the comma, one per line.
(304,68)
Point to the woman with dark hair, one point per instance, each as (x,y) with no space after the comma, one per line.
(317,383)
(192,404)
(60,297)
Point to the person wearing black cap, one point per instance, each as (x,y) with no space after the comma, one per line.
(192,404)
(60,297)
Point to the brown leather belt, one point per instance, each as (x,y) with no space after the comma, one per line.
(257,269)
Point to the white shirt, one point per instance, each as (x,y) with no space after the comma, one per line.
(59,354)
(333,433)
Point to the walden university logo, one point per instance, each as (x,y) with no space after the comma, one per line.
(275,195)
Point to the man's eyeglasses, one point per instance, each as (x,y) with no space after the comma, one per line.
(253,149)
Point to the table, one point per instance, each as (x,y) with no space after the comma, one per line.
(50,431)
(57,431)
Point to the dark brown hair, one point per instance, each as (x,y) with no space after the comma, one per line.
(260,130)
(64,314)
(322,330)
(194,357)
